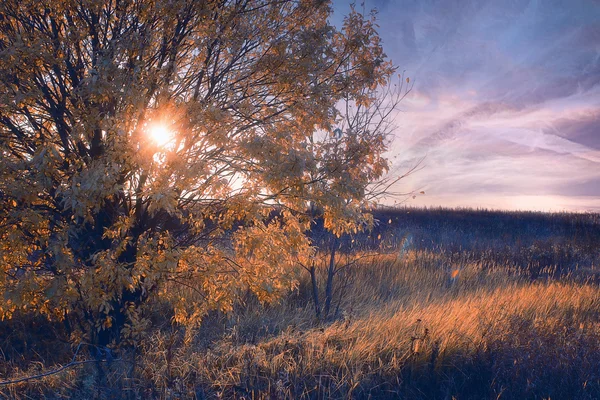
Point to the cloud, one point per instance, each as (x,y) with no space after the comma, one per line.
(583,128)
(506,106)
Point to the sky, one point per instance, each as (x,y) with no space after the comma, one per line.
(505,108)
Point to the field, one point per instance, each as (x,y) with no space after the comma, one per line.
(432,304)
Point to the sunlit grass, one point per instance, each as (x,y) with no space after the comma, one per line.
(416,324)
(412,327)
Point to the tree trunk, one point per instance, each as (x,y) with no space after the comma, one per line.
(315,291)
(330,275)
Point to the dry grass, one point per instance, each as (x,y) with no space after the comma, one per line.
(411,328)
(423,325)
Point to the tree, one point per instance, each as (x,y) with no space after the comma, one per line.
(359,121)
(144,145)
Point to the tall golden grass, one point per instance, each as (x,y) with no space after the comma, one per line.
(420,325)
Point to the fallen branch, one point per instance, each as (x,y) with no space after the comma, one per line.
(73,363)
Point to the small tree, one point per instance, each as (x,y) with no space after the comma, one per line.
(358,123)
(144,143)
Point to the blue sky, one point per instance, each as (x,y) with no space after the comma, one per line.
(506,102)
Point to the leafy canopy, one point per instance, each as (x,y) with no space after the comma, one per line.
(97,217)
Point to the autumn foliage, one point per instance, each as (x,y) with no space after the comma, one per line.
(97,218)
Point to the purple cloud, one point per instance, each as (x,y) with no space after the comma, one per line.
(506,104)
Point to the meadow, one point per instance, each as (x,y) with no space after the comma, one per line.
(432,304)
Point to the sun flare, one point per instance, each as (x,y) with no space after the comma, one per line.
(160,134)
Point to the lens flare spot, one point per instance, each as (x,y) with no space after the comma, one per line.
(160,134)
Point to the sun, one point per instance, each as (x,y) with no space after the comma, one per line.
(160,134)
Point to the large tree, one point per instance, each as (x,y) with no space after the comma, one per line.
(145,143)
